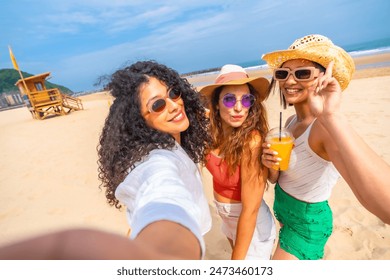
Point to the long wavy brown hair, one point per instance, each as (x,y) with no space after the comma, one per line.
(126,138)
(232,146)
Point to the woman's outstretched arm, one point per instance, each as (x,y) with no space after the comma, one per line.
(366,173)
(173,241)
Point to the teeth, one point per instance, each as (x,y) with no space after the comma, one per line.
(292,90)
(178,117)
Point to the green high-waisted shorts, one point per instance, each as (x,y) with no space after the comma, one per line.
(306,226)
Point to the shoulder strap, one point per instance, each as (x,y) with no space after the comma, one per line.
(292,120)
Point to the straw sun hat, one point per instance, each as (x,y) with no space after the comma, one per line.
(319,49)
(236,75)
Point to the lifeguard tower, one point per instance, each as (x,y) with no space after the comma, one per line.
(43,102)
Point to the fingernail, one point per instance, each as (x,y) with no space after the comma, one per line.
(279,159)
(275,153)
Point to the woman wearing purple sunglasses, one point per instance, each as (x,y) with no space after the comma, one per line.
(238,125)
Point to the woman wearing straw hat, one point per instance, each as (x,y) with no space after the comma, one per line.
(238,126)
(312,73)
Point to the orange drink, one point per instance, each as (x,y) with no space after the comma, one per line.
(282,142)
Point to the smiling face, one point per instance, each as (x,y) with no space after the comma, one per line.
(235,116)
(297,91)
(172,119)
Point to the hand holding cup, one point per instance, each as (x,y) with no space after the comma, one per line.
(277,149)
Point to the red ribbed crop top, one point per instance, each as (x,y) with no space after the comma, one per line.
(223,184)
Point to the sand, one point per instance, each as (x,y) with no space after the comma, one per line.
(48,172)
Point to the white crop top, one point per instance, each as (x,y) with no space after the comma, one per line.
(309,177)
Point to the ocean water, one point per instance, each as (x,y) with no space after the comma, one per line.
(356,50)
(379,45)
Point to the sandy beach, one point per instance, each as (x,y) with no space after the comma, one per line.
(48,171)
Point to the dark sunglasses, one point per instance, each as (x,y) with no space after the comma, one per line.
(300,74)
(158,105)
(230,100)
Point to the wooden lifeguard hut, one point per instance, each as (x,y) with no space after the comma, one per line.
(43,102)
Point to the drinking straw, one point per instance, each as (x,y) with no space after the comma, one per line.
(280,126)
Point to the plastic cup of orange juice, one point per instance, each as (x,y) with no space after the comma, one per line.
(281,141)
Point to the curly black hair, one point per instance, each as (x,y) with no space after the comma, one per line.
(126,138)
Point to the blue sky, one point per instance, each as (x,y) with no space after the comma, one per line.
(80,40)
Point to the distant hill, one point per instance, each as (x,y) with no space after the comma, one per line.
(8,78)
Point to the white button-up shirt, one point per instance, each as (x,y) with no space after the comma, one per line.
(166,185)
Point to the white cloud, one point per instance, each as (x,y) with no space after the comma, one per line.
(72,17)
(80,39)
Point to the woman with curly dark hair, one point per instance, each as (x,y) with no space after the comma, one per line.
(238,126)
(152,140)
